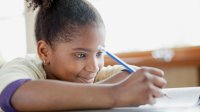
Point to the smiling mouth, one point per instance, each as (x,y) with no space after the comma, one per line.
(85,80)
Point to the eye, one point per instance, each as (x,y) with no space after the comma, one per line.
(80,55)
(99,54)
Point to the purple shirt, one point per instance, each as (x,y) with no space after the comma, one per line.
(7,93)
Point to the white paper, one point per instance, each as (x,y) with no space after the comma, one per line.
(178,97)
(180,100)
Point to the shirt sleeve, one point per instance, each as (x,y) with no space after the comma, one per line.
(8,76)
(7,93)
(108,71)
(12,75)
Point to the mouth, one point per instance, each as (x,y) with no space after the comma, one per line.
(86,80)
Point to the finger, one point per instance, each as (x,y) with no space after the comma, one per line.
(159,81)
(157,92)
(154,71)
(156,80)
(151,99)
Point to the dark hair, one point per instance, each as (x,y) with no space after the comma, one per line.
(59,20)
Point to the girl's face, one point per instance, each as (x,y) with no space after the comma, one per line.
(78,60)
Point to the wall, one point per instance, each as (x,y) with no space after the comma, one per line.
(30,35)
(185,76)
(183,70)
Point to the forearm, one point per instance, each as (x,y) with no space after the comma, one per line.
(58,95)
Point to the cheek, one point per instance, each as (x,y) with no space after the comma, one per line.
(71,67)
(68,71)
(65,68)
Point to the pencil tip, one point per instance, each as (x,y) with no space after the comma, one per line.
(165,95)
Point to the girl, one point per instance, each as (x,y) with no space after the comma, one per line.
(64,77)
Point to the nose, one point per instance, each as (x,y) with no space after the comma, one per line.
(92,65)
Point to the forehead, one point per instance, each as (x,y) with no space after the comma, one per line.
(89,36)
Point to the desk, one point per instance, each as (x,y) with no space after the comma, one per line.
(181,100)
(129,109)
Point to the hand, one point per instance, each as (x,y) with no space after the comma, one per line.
(141,87)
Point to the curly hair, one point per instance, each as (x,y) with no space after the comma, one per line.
(61,20)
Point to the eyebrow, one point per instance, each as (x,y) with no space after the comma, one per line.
(82,49)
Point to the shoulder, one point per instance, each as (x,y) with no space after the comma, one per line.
(30,65)
(21,68)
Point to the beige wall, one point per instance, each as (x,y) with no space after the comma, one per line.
(184,76)
(30,19)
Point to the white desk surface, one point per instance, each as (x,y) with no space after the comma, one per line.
(192,109)
(181,100)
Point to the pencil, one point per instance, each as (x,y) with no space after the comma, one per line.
(118,60)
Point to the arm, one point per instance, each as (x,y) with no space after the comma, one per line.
(46,95)
(49,95)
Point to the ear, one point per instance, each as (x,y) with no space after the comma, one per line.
(44,51)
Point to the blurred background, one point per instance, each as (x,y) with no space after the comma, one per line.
(158,33)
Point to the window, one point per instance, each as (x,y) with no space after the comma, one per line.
(138,25)
(12,27)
